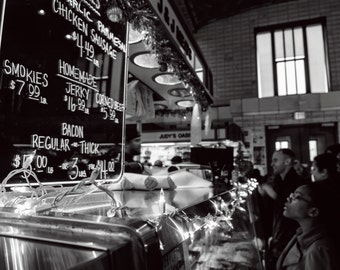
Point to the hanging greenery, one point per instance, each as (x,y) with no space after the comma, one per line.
(183,114)
(144,20)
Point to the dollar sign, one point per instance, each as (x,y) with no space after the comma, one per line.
(12,85)
(16,162)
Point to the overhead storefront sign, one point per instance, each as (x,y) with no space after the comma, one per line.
(174,136)
(166,136)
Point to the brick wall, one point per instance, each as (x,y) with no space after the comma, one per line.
(229,45)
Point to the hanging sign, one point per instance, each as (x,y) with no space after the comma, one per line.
(170,20)
(166,136)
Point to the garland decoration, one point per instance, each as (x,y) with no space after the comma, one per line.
(143,19)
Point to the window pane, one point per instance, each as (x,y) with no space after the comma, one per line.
(264,65)
(317,62)
(199,69)
(281,78)
(200,74)
(313,149)
(289,66)
(288,36)
(281,144)
(278,41)
(298,42)
(300,76)
(291,78)
(277,146)
(284,144)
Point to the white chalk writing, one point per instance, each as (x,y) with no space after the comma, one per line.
(72,130)
(20,71)
(81,76)
(50,143)
(77,90)
(69,15)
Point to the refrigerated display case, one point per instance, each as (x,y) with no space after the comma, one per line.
(70,241)
(195,228)
(212,238)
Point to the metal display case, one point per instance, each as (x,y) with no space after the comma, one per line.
(70,241)
(195,228)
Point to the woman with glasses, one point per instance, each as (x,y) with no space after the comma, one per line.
(312,247)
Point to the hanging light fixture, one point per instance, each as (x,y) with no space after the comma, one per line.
(186,103)
(166,79)
(134,35)
(146,60)
(114,12)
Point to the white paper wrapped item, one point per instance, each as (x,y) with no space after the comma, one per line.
(184,179)
(143,182)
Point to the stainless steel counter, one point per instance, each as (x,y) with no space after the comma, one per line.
(73,241)
(21,254)
(193,233)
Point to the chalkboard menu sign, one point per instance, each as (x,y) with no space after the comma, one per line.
(62,90)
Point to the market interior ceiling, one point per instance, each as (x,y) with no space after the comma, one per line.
(196,14)
(199,13)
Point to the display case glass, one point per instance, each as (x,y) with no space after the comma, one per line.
(196,228)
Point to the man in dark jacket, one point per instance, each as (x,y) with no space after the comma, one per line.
(285,181)
(133,151)
(132,143)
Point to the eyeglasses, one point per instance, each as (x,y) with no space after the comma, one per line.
(297,196)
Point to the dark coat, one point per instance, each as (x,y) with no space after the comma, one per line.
(283,229)
(312,250)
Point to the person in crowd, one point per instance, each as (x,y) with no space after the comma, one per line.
(324,168)
(158,167)
(186,157)
(147,161)
(312,247)
(132,143)
(174,161)
(301,169)
(335,150)
(158,163)
(262,209)
(133,150)
(285,180)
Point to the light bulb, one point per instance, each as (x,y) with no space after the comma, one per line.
(115,14)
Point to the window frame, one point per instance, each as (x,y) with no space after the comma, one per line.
(292,25)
